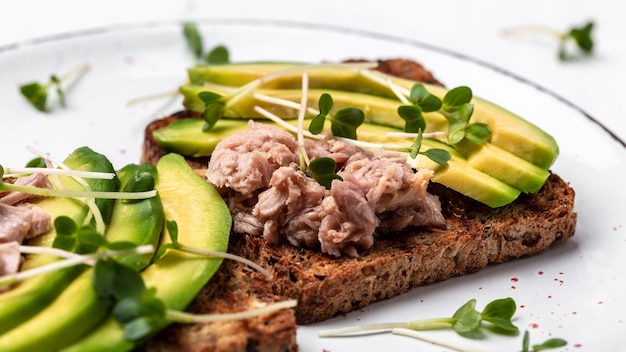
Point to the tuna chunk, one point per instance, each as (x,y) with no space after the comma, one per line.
(246,161)
(10,258)
(291,207)
(14,223)
(269,196)
(34,180)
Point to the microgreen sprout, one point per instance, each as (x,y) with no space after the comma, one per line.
(546,345)
(218,55)
(70,261)
(466,321)
(46,192)
(216,105)
(344,122)
(139,308)
(580,36)
(172,230)
(323,170)
(37,93)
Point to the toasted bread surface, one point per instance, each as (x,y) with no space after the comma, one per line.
(474,237)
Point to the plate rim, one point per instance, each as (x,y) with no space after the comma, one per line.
(368,34)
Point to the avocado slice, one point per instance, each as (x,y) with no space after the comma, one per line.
(490,158)
(460,175)
(510,132)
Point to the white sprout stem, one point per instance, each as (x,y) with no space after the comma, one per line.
(434,340)
(82,194)
(283,102)
(94,211)
(209,253)
(360,329)
(283,123)
(51,251)
(76,72)
(534,30)
(53,171)
(376,77)
(47,250)
(183,317)
(304,157)
(69,262)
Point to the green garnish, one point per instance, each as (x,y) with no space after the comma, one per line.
(323,171)
(546,345)
(37,93)
(466,321)
(580,36)
(213,109)
(343,123)
(46,192)
(194,40)
(218,55)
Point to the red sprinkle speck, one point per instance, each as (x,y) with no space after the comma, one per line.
(549,296)
(522,306)
(540,273)
(533,325)
(514,279)
(578,345)
(513,287)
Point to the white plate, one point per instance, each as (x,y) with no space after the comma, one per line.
(573,291)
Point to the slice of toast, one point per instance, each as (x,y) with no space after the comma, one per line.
(474,236)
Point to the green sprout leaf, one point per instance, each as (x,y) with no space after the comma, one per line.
(218,55)
(140,314)
(325,103)
(467,318)
(343,123)
(323,171)
(112,279)
(420,96)
(499,313)
(440,156)
(194,39)
(546,345)
(581,36)
(412,115)
(346,121)
(478,132)
(214,107)
(37,94)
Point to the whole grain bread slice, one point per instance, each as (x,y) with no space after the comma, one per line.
(474,237)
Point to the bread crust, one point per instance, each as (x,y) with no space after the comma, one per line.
(474,237)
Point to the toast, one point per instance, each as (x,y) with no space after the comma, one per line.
(474,236)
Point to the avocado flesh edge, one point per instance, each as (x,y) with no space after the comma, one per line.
(511,132)
(460,176)
(489,159)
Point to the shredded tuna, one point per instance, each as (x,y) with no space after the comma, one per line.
(14,223)
(245,162)
(10,258)
(34,180)
(270,196)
